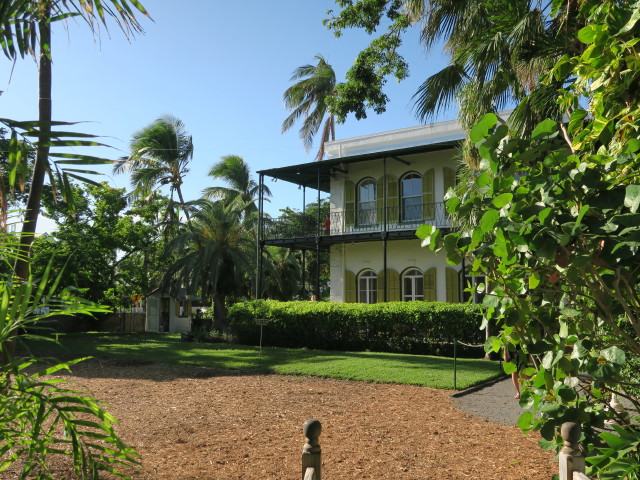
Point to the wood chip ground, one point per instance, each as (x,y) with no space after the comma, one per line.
(197,423)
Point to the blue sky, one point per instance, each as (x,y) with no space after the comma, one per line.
(221,67)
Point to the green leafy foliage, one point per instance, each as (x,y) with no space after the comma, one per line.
(111,247)
(406,327)
(558,241)
(40,417)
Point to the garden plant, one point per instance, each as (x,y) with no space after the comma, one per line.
(558,238)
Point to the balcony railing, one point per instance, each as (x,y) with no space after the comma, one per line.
(359,220)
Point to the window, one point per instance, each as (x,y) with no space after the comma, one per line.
(367,202)
(183,308)
(411,193)
(368,287)
(412,285)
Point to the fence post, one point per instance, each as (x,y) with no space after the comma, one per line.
(570,457)
(311,452)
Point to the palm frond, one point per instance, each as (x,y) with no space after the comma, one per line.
(438,91)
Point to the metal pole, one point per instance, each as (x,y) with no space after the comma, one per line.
(385,281)
(455,364)
(259,238)
(304,267)
(318,241)
(462,281)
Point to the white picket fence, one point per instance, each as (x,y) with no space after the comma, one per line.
(571,460)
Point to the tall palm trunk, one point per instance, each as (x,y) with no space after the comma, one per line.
(42,152)
(186,211)
(220,321)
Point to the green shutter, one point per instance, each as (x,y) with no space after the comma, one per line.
(449,179)
(393,285)
(380,286)
(392,199)
(428,194)
(349,287)
(453,286)
(430,285)
(349,203)
(380,200)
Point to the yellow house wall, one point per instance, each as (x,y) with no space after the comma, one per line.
(401,254)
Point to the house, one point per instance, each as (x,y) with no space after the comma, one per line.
(381,188)
(168,313)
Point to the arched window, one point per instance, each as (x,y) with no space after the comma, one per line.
(412,285)
(367,287)
(411,195)
(367,202)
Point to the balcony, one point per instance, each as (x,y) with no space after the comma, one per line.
(353,222)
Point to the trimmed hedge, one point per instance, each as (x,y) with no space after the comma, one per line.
(403,327)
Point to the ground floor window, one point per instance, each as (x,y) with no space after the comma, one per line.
(412,285)
(368,287)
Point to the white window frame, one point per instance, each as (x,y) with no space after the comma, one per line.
(369,280)
(415,276)
(417,212)
(370,217)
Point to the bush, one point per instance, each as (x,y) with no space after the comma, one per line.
(403,327)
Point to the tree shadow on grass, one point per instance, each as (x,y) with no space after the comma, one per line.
(128,352)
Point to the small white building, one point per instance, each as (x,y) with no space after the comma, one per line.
(382,187)
(167,313)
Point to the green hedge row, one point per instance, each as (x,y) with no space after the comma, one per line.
(404,327)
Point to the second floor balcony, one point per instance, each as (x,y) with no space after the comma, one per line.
(361,219)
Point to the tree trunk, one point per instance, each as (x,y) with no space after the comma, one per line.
(42,153)
(186,211)
(220,313)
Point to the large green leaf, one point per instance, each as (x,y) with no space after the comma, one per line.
(481,129)
(632,197)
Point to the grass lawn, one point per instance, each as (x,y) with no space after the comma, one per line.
(168,348)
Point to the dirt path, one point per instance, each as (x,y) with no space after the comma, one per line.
(194,423)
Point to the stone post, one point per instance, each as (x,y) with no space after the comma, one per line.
(311,452)
(570,457)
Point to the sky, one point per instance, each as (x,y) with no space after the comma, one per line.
(221,67)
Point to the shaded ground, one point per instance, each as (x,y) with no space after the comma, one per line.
(494,402)
(194,423)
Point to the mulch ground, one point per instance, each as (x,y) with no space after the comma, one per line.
(197,423)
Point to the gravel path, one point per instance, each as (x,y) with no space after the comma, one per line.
(493,402)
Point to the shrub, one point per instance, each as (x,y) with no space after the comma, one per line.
(405,327)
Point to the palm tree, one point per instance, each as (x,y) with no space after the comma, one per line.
(308,99)
(27,29)
(160,155)
(237,174)
(283,274)
(498,50)
(213,258)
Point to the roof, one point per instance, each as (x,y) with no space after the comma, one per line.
(391,144)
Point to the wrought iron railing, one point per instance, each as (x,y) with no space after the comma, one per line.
(347,221)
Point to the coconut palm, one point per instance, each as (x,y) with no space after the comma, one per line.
(307,100)
(237,174)
(160,155)
(26,29)
(213,258)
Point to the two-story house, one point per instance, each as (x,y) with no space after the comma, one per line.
(381,188)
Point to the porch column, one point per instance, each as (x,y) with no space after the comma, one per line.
(259,237)
(318,238)
(384,228)
(304,269)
